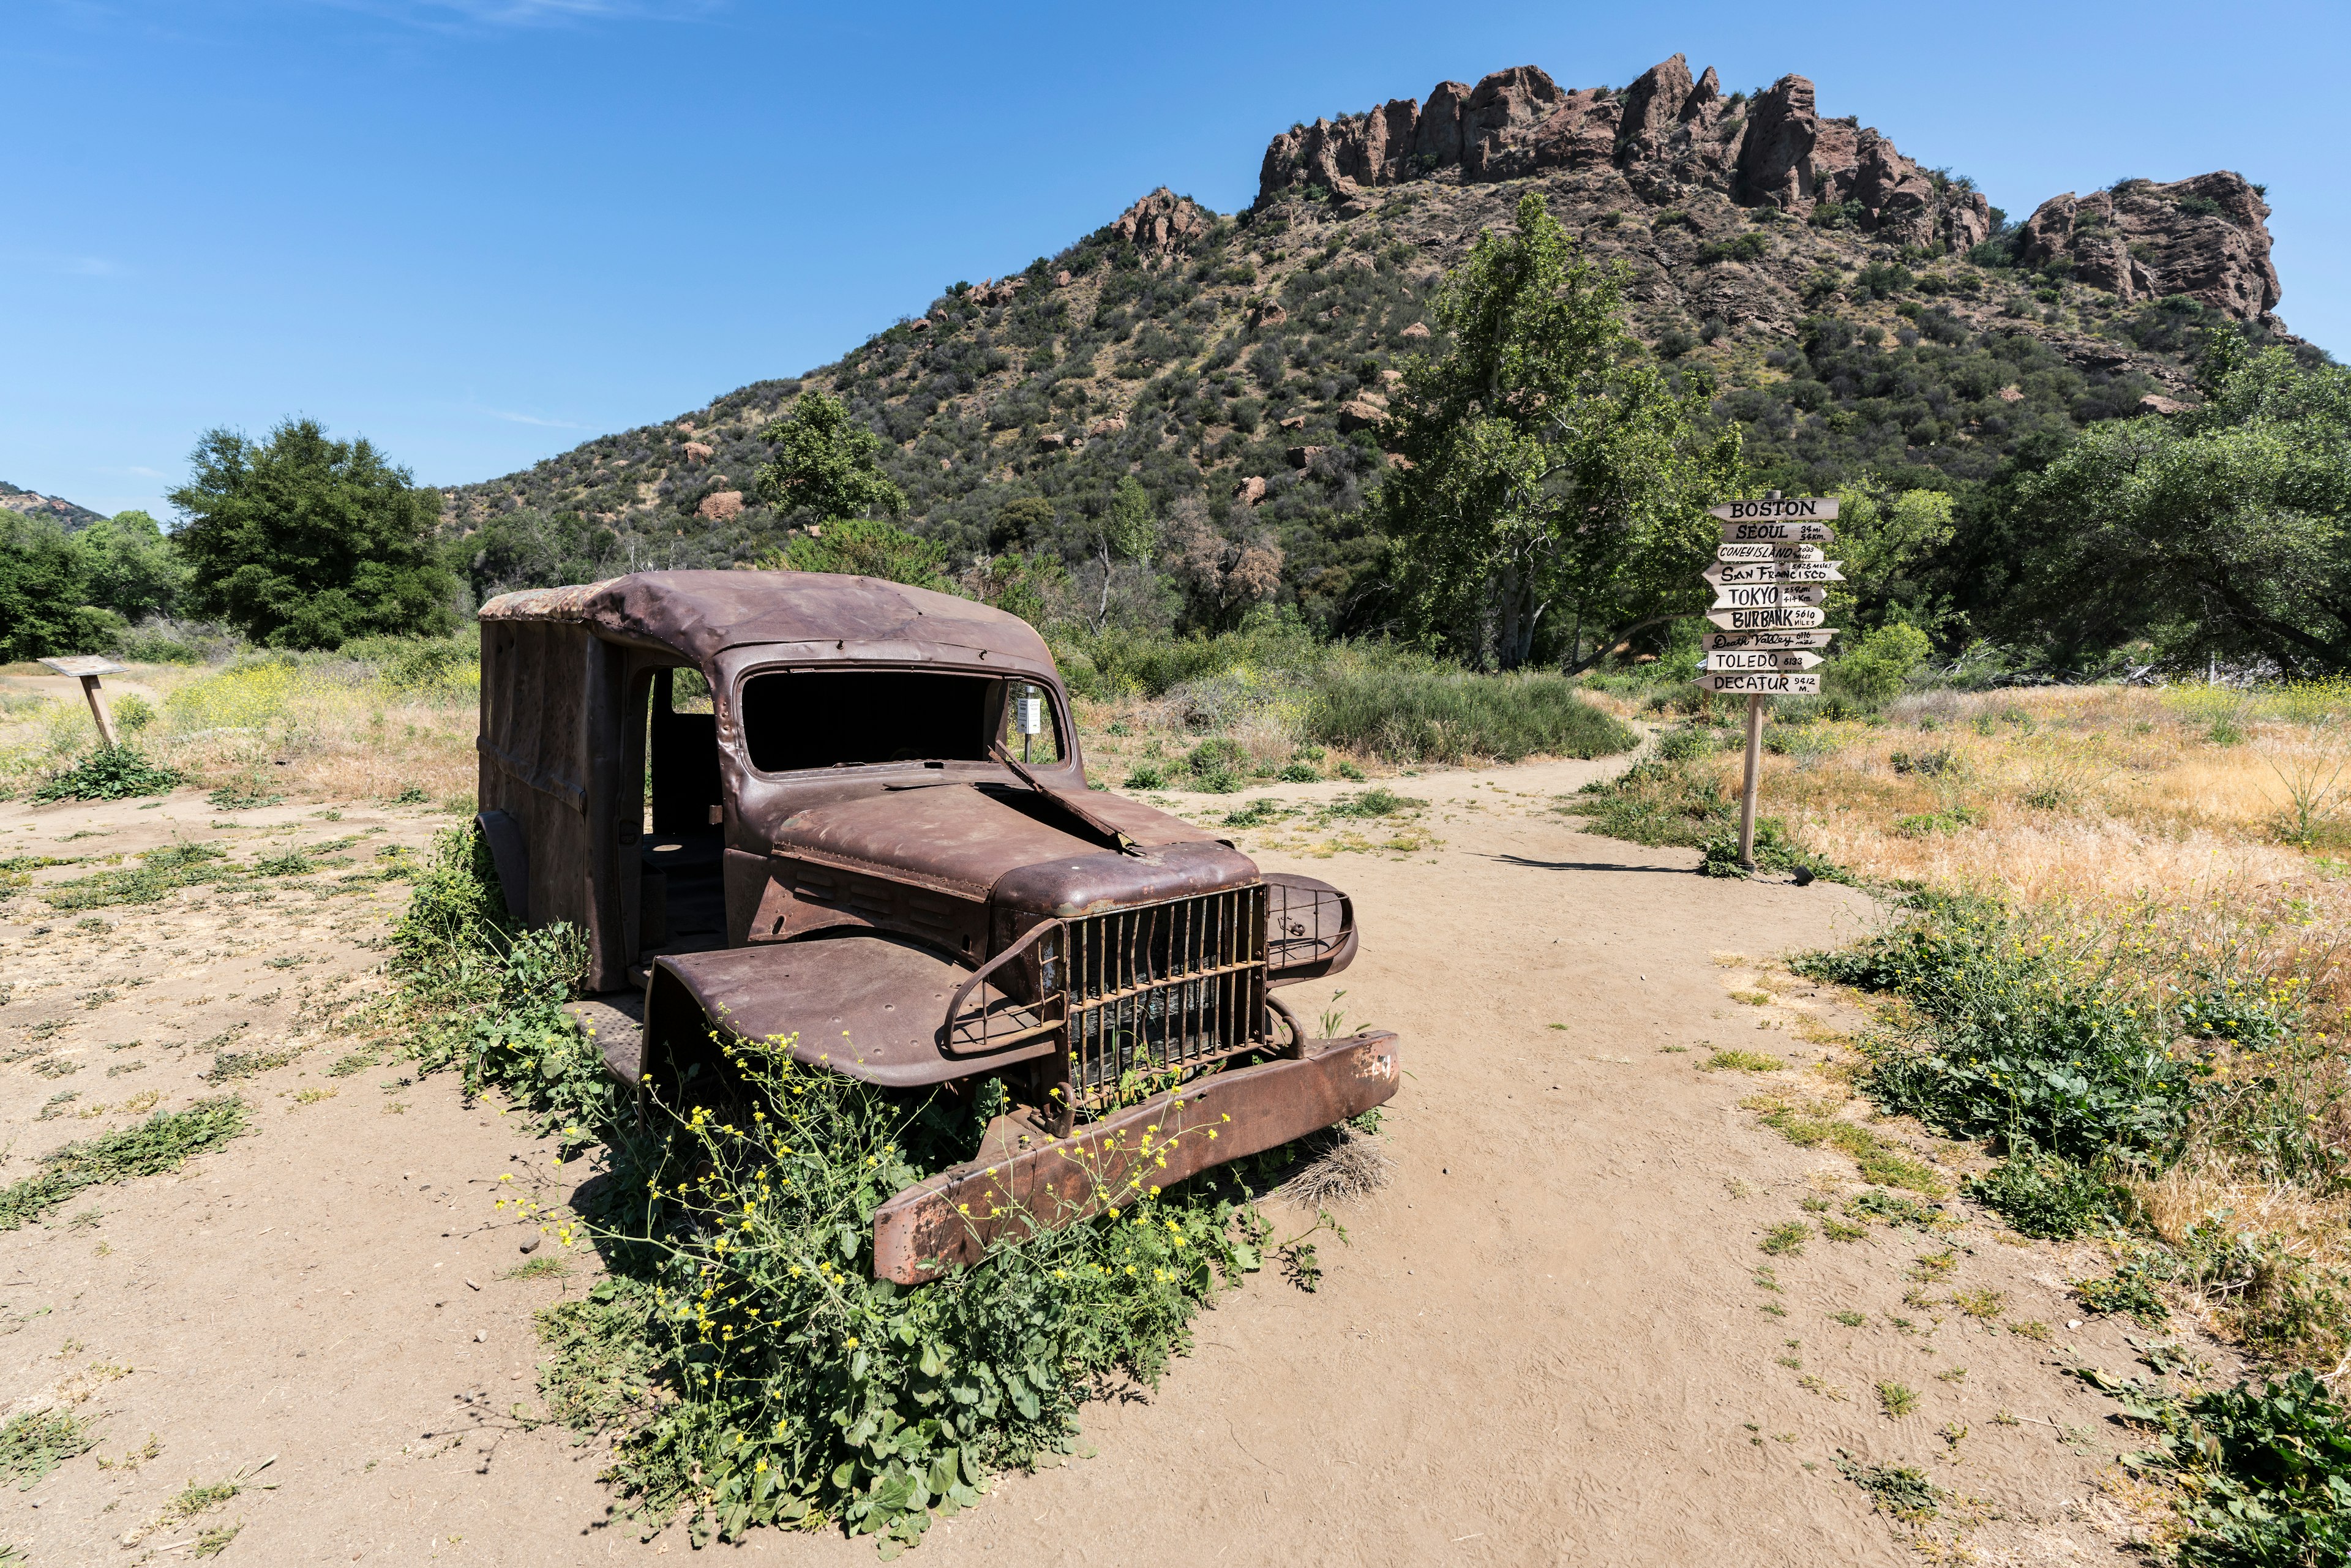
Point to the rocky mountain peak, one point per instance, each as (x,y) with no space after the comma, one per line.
(1669,136)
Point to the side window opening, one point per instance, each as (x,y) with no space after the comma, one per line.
(1030,731)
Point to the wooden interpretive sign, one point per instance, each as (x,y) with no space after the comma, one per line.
(1761,684)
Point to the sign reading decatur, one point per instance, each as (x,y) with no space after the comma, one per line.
(1763,684)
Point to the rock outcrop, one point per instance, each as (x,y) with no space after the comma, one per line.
(1164,224)
(2207,238)
(1667,133)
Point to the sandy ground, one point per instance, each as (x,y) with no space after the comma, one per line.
(1547,1341)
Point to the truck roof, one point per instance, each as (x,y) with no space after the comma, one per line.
(700,614)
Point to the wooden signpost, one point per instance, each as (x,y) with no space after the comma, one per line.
(1766,579)
(86,668)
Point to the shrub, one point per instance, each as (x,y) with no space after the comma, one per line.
(1747,247)
(2016,1044)
(2046,1198)
(2272,1471)
(1879,662)
(1456,716)
(110,773)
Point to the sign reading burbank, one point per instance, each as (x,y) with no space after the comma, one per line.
(1778,617)
(1765,549)
(1789,533)
(1755,595)
(1728,642)
(1761,659)
(1763,684)
(1809,508)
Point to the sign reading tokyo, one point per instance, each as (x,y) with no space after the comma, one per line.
(1804,509)
(1755,595)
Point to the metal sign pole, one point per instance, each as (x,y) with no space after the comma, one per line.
(1747,795)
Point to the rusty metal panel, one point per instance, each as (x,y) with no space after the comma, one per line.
(956,1216)
(870,1006)
(1310,929)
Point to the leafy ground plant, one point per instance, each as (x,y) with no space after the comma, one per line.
(110,773)
(38,1441)
(2268,1471)
(163,1142)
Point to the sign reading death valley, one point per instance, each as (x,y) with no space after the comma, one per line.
(1767,579)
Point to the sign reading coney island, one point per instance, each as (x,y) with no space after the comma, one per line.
(1766,550)
(1766,578)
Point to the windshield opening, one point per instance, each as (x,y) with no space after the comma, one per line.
(799,719)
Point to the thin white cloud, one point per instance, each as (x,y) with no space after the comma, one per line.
(92,267)
(531,13)
(513,418)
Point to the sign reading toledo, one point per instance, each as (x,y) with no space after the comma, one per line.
(1766,579)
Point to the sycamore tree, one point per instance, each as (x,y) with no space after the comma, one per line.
(304,542)
(2225,530)
(1554,485)
(825,463)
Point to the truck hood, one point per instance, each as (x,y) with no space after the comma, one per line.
(1016,847)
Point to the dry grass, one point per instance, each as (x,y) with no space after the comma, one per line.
(315,729)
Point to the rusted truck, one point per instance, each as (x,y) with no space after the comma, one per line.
(879,839)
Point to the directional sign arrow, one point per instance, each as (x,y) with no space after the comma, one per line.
(1789,533)
(1757,595)
(1762,686)
(1729,642)
(1775,572)
(1761,659)
(1804,509)
(1765,549)
(1779,618)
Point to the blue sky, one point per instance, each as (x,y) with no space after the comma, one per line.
(482,230)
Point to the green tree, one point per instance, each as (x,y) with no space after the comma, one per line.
(304,542)
(1558,482)
(825,462)
(1886,545)
(864,547)
(1127,529)
(46,598)
(2223,530)
(135,570)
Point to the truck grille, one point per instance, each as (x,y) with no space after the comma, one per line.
(1161,989)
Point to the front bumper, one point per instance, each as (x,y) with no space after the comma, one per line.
(956,1216)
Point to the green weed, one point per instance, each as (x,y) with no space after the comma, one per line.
(1786,1240)
(38,1441)
(1741,1061)
(163,1142)
(1900,1491)
(110,773)
(2269,1470)
(1897,1399)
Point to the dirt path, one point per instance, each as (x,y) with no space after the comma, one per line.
(1546,1343)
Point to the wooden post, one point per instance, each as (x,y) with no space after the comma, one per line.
(1747,795)
(86,668)
(99,711)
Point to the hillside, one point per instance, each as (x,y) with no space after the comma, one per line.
(1862,314)
(34,505)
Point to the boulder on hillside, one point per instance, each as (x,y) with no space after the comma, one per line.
(1300,456)
(2207,237)
(1360,414)
(1051,440)
(1164,224)
(1416,330)
(696,451)
(1110,426)
(1249,491)
(1295,422)
(720,507)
